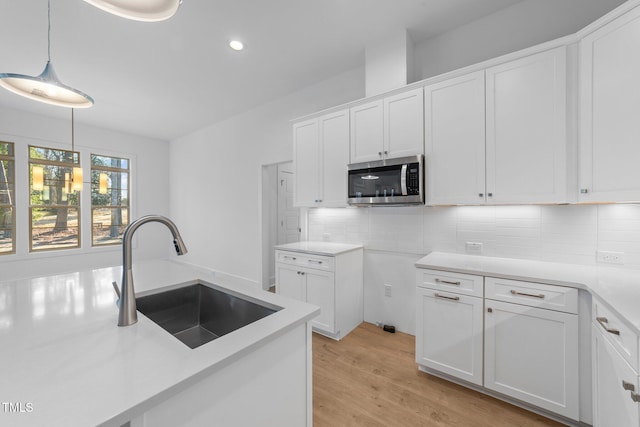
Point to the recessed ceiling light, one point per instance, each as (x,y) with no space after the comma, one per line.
(236,45)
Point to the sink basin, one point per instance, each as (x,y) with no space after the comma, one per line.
(197,314)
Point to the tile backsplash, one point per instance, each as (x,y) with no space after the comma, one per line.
(562,233)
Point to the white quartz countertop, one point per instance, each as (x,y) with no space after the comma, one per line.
(64,362)
(319,248)
(618,288)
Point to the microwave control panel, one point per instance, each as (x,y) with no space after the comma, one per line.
(413,179)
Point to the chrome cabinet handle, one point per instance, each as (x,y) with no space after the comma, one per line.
(379,153)
(584,191)
(541,296)
(301,273)
(315,261)
(490,194)
(635,397)
(437,295)
(447,282)
(386,152)
(603,322)
(480,194)
(292,258)
(628,386)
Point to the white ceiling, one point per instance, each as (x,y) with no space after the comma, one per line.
(167,79)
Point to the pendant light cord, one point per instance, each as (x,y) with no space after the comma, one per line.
(49,30)
(72,135)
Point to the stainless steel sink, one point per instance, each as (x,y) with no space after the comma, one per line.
(197,314)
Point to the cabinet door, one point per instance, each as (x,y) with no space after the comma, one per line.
(367,138)
(612,404)
(526,129)
(305,163)
(609,125)
(320,291)
(449,334)
(404,124)
(455,140)
(289,282)
(334,143)
(531,354)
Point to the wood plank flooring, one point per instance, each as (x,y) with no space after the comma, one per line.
(370,379)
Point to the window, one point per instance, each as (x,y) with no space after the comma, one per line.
(54,205)
(109,199)
(7,209)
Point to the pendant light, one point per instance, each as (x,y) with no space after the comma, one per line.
(37,173)
(104,183)
(139,10)
(46,87)
(75,180)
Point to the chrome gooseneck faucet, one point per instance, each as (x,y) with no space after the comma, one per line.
(128,314)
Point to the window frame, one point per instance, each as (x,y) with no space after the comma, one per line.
(128,207)
(11,157)
(75,162)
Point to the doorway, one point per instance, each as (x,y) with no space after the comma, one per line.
(280,220)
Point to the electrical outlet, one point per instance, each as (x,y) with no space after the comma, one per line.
(387,290)
(610,257)
(474,248)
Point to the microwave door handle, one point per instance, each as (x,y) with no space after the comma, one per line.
(403,180)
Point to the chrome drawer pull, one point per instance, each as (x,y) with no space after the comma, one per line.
(437,295)
(292,258)
(447,282)
(635,397)
(541,296)
(628,386)
(313,260)
(603,322)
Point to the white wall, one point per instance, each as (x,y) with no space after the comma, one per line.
(150,182)
(517,27)
(216,177)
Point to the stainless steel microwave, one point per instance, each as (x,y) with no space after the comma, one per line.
(398,181)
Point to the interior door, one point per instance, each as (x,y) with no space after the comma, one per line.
(288,216)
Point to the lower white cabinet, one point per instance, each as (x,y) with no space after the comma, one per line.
(500,335)
(333,283)
(616,385)
(531,354)
(449,334)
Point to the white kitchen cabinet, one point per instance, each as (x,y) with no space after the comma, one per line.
(499,135)
(614,385)
(524,346)
(321,155)
(609,105)
(527,129)
(332,282)
(455,140)
(449,328)
(531,351)
(388,128)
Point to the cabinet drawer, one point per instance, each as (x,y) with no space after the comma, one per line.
(299,259)
(559,298)
(623,339)
(458,283)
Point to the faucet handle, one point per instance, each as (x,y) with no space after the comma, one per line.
(117,289)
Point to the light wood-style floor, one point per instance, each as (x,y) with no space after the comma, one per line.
(370,379)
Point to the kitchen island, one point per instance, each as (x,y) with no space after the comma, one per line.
(64,362)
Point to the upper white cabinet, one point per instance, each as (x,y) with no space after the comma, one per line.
(387,128)
(455,140)
(609,106)
(499,135)
(527,129)
(321,155)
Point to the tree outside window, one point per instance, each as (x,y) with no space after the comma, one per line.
(7,205)
(109,199)
(54,206)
